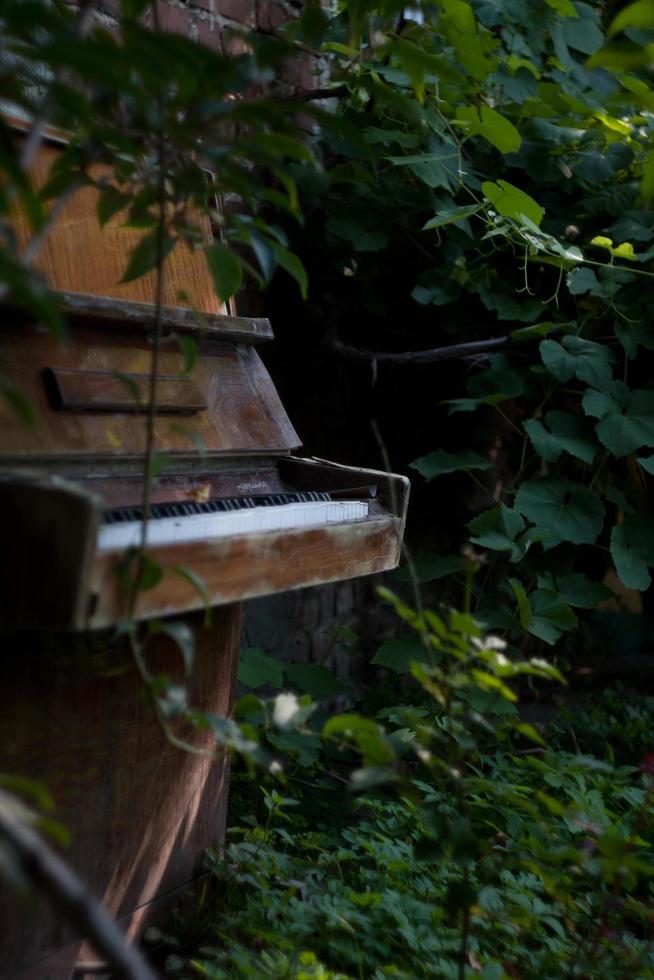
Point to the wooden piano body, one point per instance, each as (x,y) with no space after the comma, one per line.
(140,812)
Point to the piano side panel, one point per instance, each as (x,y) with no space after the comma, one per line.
(244,413)
(253,565)
(140,812)
(79,256)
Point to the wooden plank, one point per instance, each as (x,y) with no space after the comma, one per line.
(140,812)
(48,528)
(244,413)
(76,390)
(79,256)
(251,565)
(119,313)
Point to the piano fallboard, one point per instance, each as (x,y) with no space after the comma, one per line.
(220,434)
(63,577)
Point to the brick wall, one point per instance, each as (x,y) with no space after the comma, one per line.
(214,22)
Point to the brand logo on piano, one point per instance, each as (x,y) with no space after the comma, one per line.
(252,487)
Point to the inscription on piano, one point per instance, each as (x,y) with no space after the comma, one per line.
(77,390)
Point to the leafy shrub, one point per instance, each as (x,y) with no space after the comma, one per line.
(467,848)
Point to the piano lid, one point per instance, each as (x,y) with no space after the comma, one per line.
(78,255)
(91,393)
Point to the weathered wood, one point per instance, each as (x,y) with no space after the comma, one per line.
(48,528)
(251,565)
(110,312)
(140,812)
(74,390)
(79,256)
(243,414)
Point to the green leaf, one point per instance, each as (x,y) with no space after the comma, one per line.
(574,357)
(398,654)
(440,462)
(626,418)
(350,724)
(110,202)
(291,263)
(429,567)
(256,668)
(567,433)
(314,679)
(625,251)
(498,529)
(581,280)
(639,14)
(563,510)
(226,270)
(647,463)
(189,350)
(452,216)
(492,125)
(524,606)
(552,616)
(511,202)
(144,256)
(565,8)
(575,589)
(632,550)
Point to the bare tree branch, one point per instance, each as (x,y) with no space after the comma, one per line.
(47,871)
(312,95)
(455,352)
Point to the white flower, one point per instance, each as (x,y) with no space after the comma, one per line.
(285,710)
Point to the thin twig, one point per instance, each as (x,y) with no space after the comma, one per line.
(453,353)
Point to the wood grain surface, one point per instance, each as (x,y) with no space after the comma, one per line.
(75,390)
(81,256)
(140,812)
(244,413)
(251,565)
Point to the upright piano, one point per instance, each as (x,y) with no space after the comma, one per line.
(235,513)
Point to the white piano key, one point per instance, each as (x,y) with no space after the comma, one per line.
(202,527)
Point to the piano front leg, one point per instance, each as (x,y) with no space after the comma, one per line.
(140,812)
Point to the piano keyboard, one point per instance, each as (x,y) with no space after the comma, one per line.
(189,521)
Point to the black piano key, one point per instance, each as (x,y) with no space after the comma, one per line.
(179,509)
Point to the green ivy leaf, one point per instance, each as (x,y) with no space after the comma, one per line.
(639,14)
(552,616)
(313,679)
(647,462)
(430,567)
(143,257)
(575,589)
(498,530)
(398,654)
(626,418)
(574,357)
(226,270)
(451,216)
(632,550)
(511,202)
(291,263)
(568,433)
(439,462)
(581,280)
(562,509)
(256,668)
(492,125)
(524,606)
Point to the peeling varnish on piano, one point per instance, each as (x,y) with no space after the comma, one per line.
(253,565)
